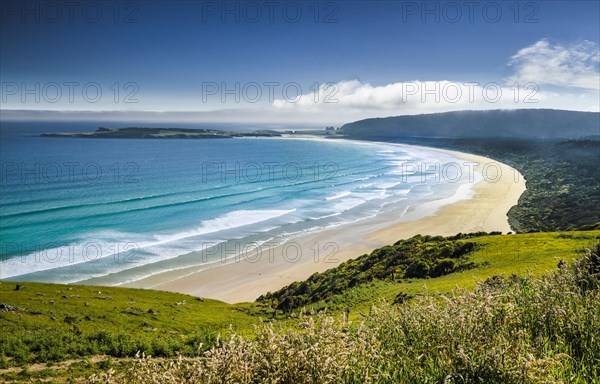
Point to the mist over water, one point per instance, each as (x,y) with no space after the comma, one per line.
(110,211)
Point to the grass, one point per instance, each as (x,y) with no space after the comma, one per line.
(58,322)
(519,254)
(418,257)
(506,330)
(101,328)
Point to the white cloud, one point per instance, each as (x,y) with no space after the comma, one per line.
(355,99)
(576,65)
(572,72)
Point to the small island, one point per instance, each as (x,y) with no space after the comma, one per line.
(162,133)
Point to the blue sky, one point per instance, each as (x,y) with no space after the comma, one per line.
(165,54)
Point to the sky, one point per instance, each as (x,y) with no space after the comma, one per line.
(301,62)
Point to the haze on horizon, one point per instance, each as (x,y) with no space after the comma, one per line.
(294,62)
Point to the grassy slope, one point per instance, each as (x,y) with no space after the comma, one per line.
(123,324)
(518,254)
(513,254)
(58,322)
(505,331)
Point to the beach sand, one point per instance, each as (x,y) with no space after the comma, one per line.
(296,260)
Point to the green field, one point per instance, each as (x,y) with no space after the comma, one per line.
(518,254)
(54,323)
(93,328)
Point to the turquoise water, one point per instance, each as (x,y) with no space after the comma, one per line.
(112,211)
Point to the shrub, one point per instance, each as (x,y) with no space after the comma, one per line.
(442,267)
(419,269)
(385,263)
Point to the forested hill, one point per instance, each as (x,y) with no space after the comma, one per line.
(522,123)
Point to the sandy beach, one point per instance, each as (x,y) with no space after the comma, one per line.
(297,259)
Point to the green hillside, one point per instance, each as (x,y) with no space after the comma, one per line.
(96,328)
(389,272)
(516,329)
(49,323)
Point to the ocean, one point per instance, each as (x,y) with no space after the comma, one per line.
(114,211)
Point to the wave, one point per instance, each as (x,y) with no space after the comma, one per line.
(120,202)
(87,216)
(338,195)
(94,250)
(230,220)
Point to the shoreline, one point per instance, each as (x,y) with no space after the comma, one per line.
(297,259)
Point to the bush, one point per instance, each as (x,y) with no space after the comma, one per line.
(442,267)
(419,269)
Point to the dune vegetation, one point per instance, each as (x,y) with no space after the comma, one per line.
(62,333)
(507,330)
